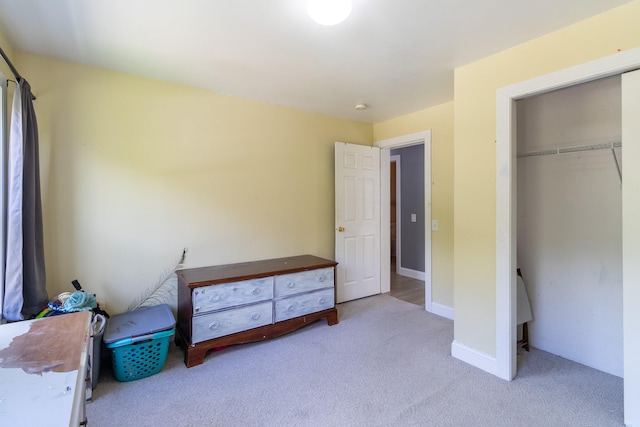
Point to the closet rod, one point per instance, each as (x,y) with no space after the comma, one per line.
(13,69)
(589,147)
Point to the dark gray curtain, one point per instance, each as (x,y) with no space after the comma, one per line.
(35,284)
(25,282)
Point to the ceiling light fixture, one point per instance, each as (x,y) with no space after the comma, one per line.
(329,12)
(361,106)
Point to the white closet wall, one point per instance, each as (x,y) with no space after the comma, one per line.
(570,223)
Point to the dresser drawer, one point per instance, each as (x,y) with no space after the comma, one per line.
(290,284)
(299,305)
(216,297)
(225,322)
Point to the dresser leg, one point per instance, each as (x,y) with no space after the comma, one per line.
(332,318)
(195,356)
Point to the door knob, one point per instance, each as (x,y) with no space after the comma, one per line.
(340,229)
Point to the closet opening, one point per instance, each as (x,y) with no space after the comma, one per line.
(569,221)
(627,65)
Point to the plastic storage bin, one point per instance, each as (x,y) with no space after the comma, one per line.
(139,341)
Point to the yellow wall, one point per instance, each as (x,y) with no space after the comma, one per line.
(439,120)
(6,71)
(474,152)
(8,50)
(134,170)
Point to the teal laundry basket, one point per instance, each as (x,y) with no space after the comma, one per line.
(139,341)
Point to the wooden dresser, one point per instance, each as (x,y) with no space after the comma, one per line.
(253,301)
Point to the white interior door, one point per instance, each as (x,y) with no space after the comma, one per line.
(630,246)
(357,224)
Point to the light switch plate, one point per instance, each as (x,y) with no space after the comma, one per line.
(413,217)
(434,225)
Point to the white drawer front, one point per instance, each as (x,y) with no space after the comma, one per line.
(225,322)
(305,281)
(215,297)
(299,305)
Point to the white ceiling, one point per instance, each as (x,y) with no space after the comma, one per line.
(397,56)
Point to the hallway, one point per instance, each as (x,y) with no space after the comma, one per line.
(405,288)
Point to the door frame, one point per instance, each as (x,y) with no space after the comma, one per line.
(506,226)
(386,145)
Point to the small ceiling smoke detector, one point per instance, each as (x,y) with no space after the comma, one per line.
(361,106)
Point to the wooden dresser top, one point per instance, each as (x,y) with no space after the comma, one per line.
(203,276)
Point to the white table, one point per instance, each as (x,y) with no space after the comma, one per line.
(43,370)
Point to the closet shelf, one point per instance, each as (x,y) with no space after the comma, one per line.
(574,149)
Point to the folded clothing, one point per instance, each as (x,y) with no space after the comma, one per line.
(80,301)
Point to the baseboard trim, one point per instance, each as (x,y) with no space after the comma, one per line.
(441,310)
(414,274)
(474,357)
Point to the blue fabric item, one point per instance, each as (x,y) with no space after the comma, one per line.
(80,301)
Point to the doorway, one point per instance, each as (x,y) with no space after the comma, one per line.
(569,221)
(395,182)
(404,287)
(386,146)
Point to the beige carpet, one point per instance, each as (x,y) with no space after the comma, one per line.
(386,363)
